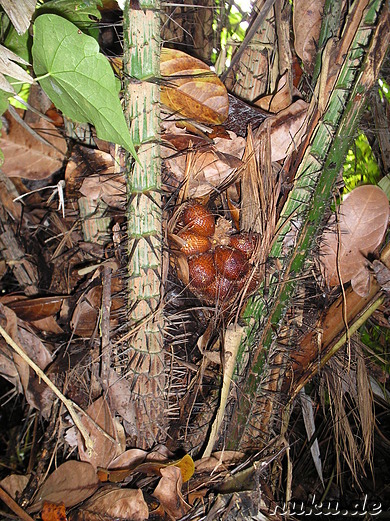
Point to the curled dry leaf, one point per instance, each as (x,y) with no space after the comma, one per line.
(112,504)
(121,467)
(281,99)
(87,309)
(192,89)
(307,18)
(168,492)
(363,221)
(72,482)
(103,182)
(361,282)
(109,188)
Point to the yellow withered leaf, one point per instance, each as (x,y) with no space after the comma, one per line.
(186,465)
(192,89)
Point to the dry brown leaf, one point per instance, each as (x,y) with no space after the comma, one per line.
(136,460)
(101,181)
(25,156)
(196,92)
(364,216)
(382,274)
(111,503)
(109,188)
(84,163)
(129,458)
(120,396)
(104,448)
(20,13)
(218,460)
(8,66)
(36,308)
(16,370)
(285,127)
(48,325)
(211,167)
(168,492)
(281,99)
(8,368)
(72,482)
(14,484)
(85,315)
(361,282)
(119,469)
(307,18)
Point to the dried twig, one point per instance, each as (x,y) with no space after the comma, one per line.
(11,503)
(68,403)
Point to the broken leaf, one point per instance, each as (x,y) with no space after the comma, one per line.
(72,482)
(219,459)
(15,369)
(363,220)
(133,460)
(192,89)
(281,99)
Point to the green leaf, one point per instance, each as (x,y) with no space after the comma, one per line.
(78,79)
(82,13)
(384,183)
(4,97)
(18,43)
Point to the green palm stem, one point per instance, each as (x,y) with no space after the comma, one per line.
(145,368)
(307,202)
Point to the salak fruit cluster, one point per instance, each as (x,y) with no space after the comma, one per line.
(216,266)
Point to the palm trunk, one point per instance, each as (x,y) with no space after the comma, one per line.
(350,66)
(146,368)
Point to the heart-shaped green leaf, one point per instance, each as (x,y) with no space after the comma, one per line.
(78,78)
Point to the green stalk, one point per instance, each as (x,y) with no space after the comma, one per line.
(307,202)
(145,359)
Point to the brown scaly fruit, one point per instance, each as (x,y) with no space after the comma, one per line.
(230,263)
(245,242)
(198,219)
(193,243)
(201,270)
(220,290)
